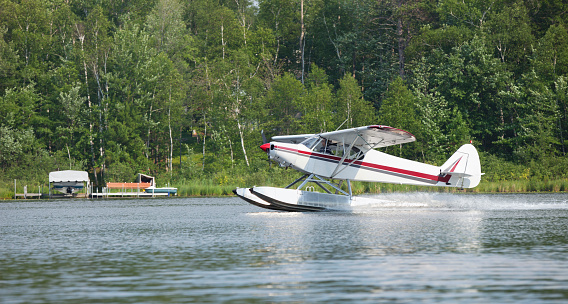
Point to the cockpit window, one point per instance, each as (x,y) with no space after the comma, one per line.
(354,152)
(321,145)
(324,146)
(310,142)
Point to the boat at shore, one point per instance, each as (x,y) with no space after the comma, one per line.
(68,182)
(168,190)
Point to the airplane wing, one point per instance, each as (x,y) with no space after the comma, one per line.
(292,139)
(370,137)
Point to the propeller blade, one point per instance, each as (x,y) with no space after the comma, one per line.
(263,137)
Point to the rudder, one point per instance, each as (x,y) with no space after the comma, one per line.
(463,167)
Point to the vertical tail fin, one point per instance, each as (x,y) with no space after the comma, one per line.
(463,167)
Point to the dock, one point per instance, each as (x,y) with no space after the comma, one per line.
(66,180)
(28,195)
(136,190)
(125,194)
(91,195)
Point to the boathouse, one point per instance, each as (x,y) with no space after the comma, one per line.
(69,182)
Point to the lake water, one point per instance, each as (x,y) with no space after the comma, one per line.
(428,248)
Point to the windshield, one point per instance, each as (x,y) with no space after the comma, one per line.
(310,142)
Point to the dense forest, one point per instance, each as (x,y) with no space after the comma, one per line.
(183,89)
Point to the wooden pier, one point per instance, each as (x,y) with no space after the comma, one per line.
(136,190)
(26,194)
(125,194)
(112,190)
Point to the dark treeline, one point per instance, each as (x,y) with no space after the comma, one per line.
(118,87)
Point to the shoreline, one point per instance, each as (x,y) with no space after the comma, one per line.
(361,188)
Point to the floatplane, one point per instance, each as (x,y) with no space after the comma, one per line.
(330,159)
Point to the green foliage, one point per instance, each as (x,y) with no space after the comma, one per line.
(8,62)
(551,55)
(399,109)
(121,87)
(13,144)
(511,35)
(350,106)
(315,106)
(282,104)
(18,107)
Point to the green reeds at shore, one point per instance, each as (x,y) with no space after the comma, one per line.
(7,189)
(522,186)
(208,187)
(6,192)
(204,188)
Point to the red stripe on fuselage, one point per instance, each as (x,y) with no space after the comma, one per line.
(336,159)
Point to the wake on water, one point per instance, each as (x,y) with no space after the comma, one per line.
(466,201)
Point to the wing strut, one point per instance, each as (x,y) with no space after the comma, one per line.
(345,154)
(296,181)
(356,158)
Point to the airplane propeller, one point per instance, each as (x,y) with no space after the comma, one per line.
(263,137)
(264,143)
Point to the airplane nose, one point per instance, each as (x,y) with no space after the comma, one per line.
(265,147)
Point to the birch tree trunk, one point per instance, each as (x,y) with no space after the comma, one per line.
(237,114)
(204,138)
(223,40)
(302,36)
(149,128)
(204,112)
(91,143)
(242,141)
(401,43)
(170,129)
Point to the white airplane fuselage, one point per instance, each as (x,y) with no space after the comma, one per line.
(329,158)
(377,166)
